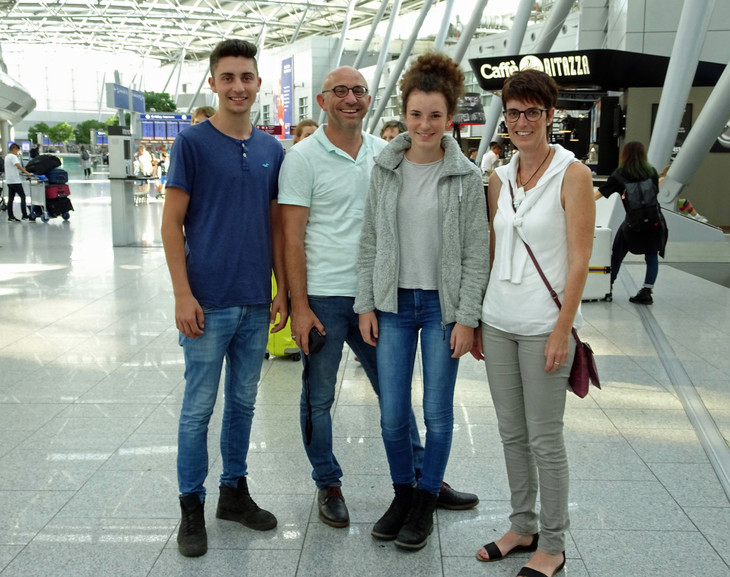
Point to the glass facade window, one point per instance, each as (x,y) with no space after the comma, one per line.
(266,113)
(303,108)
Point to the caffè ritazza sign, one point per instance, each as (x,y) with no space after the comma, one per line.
(565,67)
(602,68)
(569,65)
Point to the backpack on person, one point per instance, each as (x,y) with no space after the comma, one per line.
(84,155)
(643,213)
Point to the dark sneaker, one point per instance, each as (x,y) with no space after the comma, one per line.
(236,504)
(419,524)
(389,524)
(332,508)
(13,219)
(192,539)
(643,297)
(455,500)
(25,218)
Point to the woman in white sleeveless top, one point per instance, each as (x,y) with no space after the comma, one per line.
(543,197)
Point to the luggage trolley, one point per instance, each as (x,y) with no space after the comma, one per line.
(49,196)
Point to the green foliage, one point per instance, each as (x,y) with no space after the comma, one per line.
(112,121)
(83,130)
(36,129)
(159,101)
(61,132)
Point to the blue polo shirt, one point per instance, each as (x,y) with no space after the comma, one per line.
(334,187)
(231,184)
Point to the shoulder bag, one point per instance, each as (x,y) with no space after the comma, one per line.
(583,372)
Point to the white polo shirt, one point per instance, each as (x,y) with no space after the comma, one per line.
(334,187)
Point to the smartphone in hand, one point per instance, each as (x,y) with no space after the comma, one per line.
(316,341)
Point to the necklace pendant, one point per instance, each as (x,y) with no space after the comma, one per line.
(519,196)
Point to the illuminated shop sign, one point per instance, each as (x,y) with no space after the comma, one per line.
(556,66)
(607,69)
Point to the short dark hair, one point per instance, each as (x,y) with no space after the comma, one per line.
(434,72)
(531,85)
(13,146)
(399,125)
(233,47)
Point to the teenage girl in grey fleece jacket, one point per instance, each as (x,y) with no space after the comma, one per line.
(422,269)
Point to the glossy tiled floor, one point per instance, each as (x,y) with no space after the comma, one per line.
(90,389)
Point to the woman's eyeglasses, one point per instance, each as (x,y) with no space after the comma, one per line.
(532,114)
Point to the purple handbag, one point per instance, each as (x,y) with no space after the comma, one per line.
(583,372)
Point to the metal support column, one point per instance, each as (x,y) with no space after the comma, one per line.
(174,67)
(384,51)
(514,44)
(708,126)
(400,65)
(340,47)
(197,92)
(556,18)
(468,33)
(693,24)
(366,43)
(179,72)
(438,44)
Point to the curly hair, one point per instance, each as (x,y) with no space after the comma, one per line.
(531,85)
(434,72)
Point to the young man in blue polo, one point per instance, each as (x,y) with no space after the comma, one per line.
(222,237)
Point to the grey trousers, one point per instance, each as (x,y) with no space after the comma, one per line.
(530,404)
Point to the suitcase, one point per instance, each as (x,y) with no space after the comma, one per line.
(56,190)
(42,163)
(60,206)
(598,283)
(57,176)
(281,344)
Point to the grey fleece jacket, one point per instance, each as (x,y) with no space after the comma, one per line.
(464,262)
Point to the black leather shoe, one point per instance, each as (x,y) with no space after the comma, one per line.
(455,500)
(332,508)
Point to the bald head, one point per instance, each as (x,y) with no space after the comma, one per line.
(336,76)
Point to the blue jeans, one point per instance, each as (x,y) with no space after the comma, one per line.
(238,335)
(618,253)
(418,311)
(318,383)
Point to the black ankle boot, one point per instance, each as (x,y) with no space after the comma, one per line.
(236,504)
(643,297)
(390,524)
(192,539)
(419,523)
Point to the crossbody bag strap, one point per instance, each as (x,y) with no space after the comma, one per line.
(553,294)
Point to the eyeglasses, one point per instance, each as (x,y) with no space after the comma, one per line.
(341,91)
(531,114)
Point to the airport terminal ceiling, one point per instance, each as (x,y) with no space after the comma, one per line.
(162,29)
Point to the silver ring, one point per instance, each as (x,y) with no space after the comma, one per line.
(556,363)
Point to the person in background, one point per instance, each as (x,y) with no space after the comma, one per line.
(221,277)
(304,128)
(85,160)
(319,213)
(543,197)
(634,167)
(414,286)
(13,170)
(490,157)
(391,129)
(202,113)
